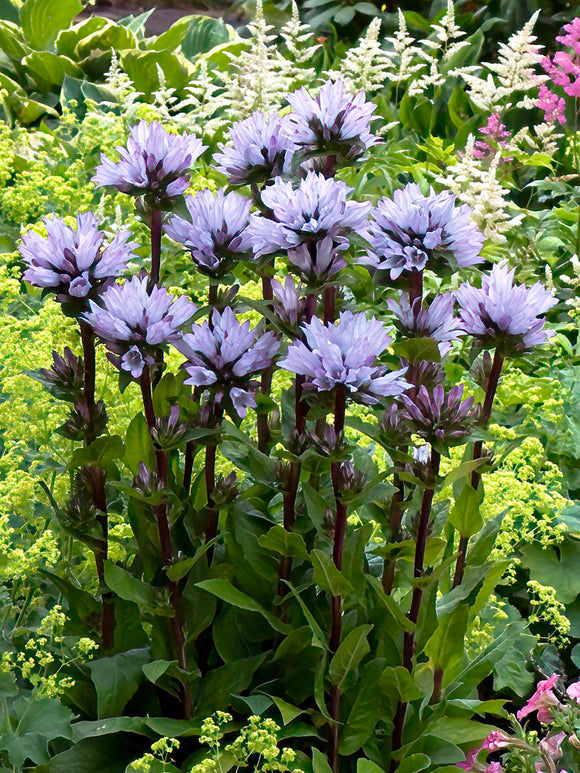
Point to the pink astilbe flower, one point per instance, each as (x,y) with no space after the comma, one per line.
(572,37)
(554,107)
(542,701)
(497,132)
(573,691)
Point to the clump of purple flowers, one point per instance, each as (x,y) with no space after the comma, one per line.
(439,416)
(334,123)
(345,354)
(135,324)
(153,164)
(411,232)
(503,314)
(260,150)
(317,263)
(216,233)
(437,321)
(317,209)
(224,356)
(72,261)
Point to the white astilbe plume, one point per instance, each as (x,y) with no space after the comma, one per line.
(542,138)
(260,77)
(366,65)
(477,185)
(402,54)
(298,38)
(123,88)
(513,73)
(199,110)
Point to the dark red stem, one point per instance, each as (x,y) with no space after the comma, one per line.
(156,228)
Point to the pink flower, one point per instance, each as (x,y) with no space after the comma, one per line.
(551,745)
(553,106)
(573,691)
(496,740)
(497,132)
(567,76)
(541,701)
(572,38)
(495,767)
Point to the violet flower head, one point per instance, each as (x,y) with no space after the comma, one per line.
(135,324)
(542,701)
(317,209)
(288,305)
(501,313)
(334,123)
(316,263)
(411,232)
(71,262)
(153,164)
(344,355)
(439,416)
(260,150)
(225,358)
(215,233)
(437,321)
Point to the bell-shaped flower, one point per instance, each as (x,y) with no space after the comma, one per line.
(411,232)
(72,262)
(316,210)
(135,324)
(153,164)
(503,314)
(224,356)
(215,232)
(259,150)
(436,321)
(439,416)
(344,355)
(317,263)
(333,123)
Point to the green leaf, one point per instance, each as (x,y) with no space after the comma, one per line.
(396,680)
(42,20)
(9,11)
(287,710)
(106,37)
(414,764)
(205,34)
(67,40)
(130,588)
(287,543)
(556,568)
(178,570)
(465,515)
(117,679)
(141,67)
(225,591)
(466,468)
(350,653)
(156,668)
(446,644)
(370,706)
(96,755)
(138,445)
(109,726)
(318,637)
(319,762)
(100,453)
(327,576)
(316,505)
(417,350)
(40,721)
(367,766)
(49,70)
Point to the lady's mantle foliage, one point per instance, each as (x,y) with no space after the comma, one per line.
(412,232)
(72,261)
(503,314)
(344,354)
(226,355)
(333,122)
(260,150)
(134,323)
(216,233)
(318,208)
(153,164)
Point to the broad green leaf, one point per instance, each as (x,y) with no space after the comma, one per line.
(117,679)
(131,588)
(397,681)
(9,11)
(287,710)
(367,766)
(370,706)
(138,445)
(40,720)
(418,349)
(350,653)
(318,637)
(98,727)
(556,568)
(316,505)
(446,644)
(95,755)
(327,576)
(225,591)
(155,670)
(414,764)
(42,20)
(464,469)
(100,453)
(141,67)
(465,515)
(49,70)
(286,543)
(319,762)
(67,40)
(109,36)
(178,570)
(205,34)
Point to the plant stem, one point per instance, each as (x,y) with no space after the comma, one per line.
(212,512)
(156,225)
(337,554)
(389,567)
(484,416)
(415,285)
(164,535)
(417,596)
(329,305)
(88,342)
(212,297)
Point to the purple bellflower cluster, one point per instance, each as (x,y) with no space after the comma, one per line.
(317,209)
(134,323)
(334,123)
(344,354)
(72,262)
(153,164)
(215,233)
(317,263)
(503,314)
(411,232)
(288,304)
(225,356)
(436,321)
(260,150)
